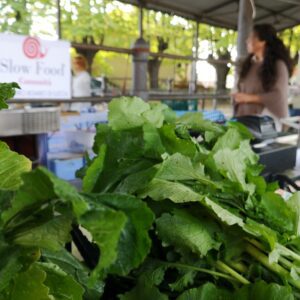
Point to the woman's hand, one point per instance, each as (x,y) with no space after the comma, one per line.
(246,98)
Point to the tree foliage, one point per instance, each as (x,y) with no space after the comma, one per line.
(112,23)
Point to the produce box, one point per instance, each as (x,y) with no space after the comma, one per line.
(65,165)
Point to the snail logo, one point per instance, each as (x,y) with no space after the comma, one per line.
(32,48)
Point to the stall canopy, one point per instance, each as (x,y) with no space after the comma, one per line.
(224,13)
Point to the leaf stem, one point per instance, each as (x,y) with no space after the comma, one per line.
(202,270)
(276,268)
(223,267)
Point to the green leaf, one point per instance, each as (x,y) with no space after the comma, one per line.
(52,234)
(62,286)
(124,156)
(183,282)
(173,144)
(205,292)
(67,193)
(39,187)
(137,181)
(71,266)
(275,212)
(106,226)
(260,290)
(243,130)
(30,285)
(134,243)
(144,291)
(232,164)
(195,121)
(94,170)
(152,272)
(126,113)
(294,205)
(7,91)
(186,232)
(261,231)
(153,147)
(10,264)
(159,189)
(5,199)
(12,166)
(177,167)
(230,140)
(223,214)
(102,131)
(156,115)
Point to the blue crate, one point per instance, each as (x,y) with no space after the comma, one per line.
(212,115)
(66,168)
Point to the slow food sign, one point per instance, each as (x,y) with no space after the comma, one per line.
(42,68)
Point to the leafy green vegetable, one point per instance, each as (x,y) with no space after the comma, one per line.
(260,290)
(30,285)
(173,216)
(134,242)
(159,189)
(144,291)
(185,232)
(106,226)
(61,285)
(12,165)
(207,291)
(7,91)
(294,205)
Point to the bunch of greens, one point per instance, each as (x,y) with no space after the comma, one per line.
(218,229)
(176,207)
(36,213)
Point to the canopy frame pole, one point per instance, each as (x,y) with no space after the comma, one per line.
(245,23)
(193,80)
(141,19)
(58,28)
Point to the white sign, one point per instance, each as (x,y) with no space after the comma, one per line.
(42,68)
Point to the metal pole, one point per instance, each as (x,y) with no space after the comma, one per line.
(58,29)
(141,18)
(193,80)
(245,23)
(140,52)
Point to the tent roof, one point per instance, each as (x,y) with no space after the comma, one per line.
(224,13)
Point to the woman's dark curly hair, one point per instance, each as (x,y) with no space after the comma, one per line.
(275,50)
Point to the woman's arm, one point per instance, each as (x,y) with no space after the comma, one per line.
(247,98)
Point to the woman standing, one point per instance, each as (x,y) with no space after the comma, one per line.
(264,76)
